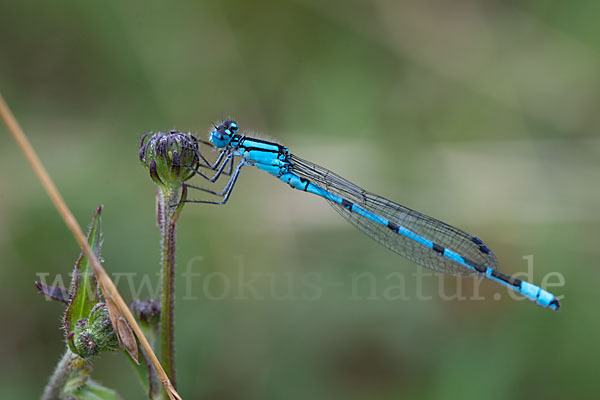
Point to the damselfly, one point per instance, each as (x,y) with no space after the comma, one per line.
(419,238)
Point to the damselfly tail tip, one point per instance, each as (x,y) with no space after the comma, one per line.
(554,305)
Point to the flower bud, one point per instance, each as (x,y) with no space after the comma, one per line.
(169,156)
(146,311)
(85,345)
(94,334)
(101,328)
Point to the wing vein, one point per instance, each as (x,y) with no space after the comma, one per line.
(457,240)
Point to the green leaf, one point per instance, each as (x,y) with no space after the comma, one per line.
(84,287)
(94,391)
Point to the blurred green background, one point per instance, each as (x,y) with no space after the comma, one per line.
(482,114)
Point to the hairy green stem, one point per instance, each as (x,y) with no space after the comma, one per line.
(59,378)
(168,220)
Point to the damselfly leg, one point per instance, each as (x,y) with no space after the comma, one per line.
(225,193)
(219,163)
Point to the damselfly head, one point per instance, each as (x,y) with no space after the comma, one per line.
(222,134)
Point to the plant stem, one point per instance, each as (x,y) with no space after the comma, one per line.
(57,381)
(168,220)
(108,288)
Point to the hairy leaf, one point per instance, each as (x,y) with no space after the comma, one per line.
(84,287)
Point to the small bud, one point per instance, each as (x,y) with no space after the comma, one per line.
(168,156)
(146,311)
(93,335)
(101,328)
(80,325)
(85,345)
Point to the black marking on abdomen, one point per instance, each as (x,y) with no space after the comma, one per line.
(478,267)
(306,182)
(511,281)
(437,248)
(393,227)
(347,204)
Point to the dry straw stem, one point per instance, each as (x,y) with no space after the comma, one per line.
(107,286)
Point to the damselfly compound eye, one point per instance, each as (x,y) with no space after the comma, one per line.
(228,127)
(223,133)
